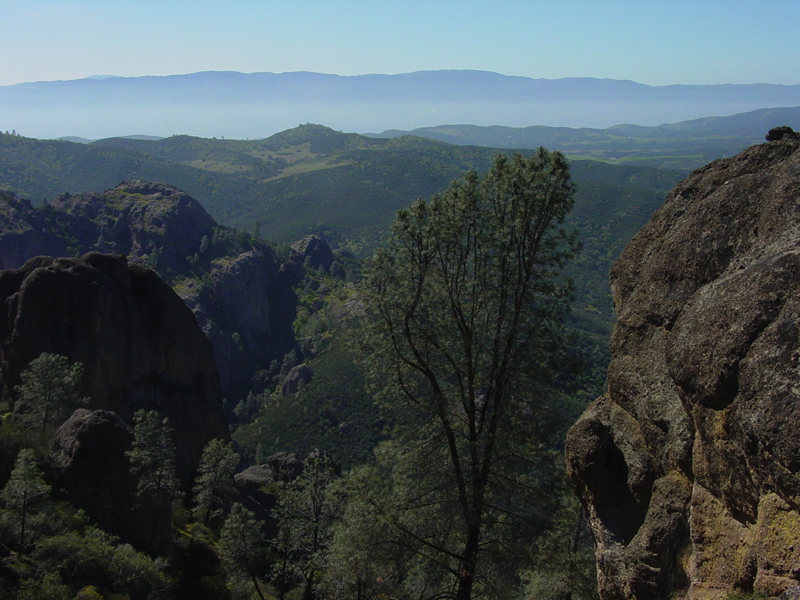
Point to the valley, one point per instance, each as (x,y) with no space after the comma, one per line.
(265,245)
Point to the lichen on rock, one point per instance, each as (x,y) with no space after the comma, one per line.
(698,437)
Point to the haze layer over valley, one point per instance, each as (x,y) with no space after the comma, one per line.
(257,105)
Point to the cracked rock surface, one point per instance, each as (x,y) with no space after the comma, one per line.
(688,466)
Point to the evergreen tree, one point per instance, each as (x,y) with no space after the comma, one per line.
(361,561)
(50,390)
(152,459)
(565,560)
(214,486)
(24,489)
(466,305)
(241,545)
(306,511)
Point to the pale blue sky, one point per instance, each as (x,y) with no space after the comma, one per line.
(657,43)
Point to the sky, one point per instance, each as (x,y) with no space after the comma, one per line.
(652,42)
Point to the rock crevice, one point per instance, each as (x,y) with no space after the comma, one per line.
(703,381)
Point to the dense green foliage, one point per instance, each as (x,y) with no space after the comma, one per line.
(25,488)
(306,180)
(333,412)
(214,488)
(50,391)
(465,333)
(152,459)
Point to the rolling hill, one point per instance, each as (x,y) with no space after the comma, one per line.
(684,145)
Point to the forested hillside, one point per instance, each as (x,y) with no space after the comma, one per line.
(284,323)
(345,188)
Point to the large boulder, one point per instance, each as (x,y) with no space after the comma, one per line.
(314,251)
(309,252)
(140,345)
(295,379)
(688,466)
(88,455)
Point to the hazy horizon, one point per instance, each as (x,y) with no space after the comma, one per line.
(701,42)
(257,105)
(662,45)
(103,76)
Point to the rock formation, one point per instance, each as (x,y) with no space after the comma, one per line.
(140,345)
(295,379)
(88,456)
(151,223)
(23,233)
(312,252)
(244,303)
(246,308)
(778,133)
(688,466)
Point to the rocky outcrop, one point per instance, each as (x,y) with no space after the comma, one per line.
(310,252)
(88,456)
(778,133)
(688,466)
(232,283)
(140,345)
(256,485)
(246,308)
(24,233)
(314,251)
(295,379)
(151,223)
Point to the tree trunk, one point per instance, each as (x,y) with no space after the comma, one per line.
(308,592)
(466,571)
(153,530)
(255,583)
(22,529)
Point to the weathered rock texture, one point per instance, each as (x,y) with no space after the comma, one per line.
(246,308)
(140,345)
(312,252)
(151,223)
(688,466)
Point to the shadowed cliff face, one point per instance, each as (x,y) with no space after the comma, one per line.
(688,466)
(140,345)
(243,302)
(246,308)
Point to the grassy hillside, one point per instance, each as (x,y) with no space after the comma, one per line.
(347,186)
(307,179)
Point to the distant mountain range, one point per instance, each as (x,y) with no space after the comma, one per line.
(259,104)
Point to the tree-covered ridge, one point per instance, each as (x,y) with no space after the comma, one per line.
(350,199)
(344,187)
(310,179)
